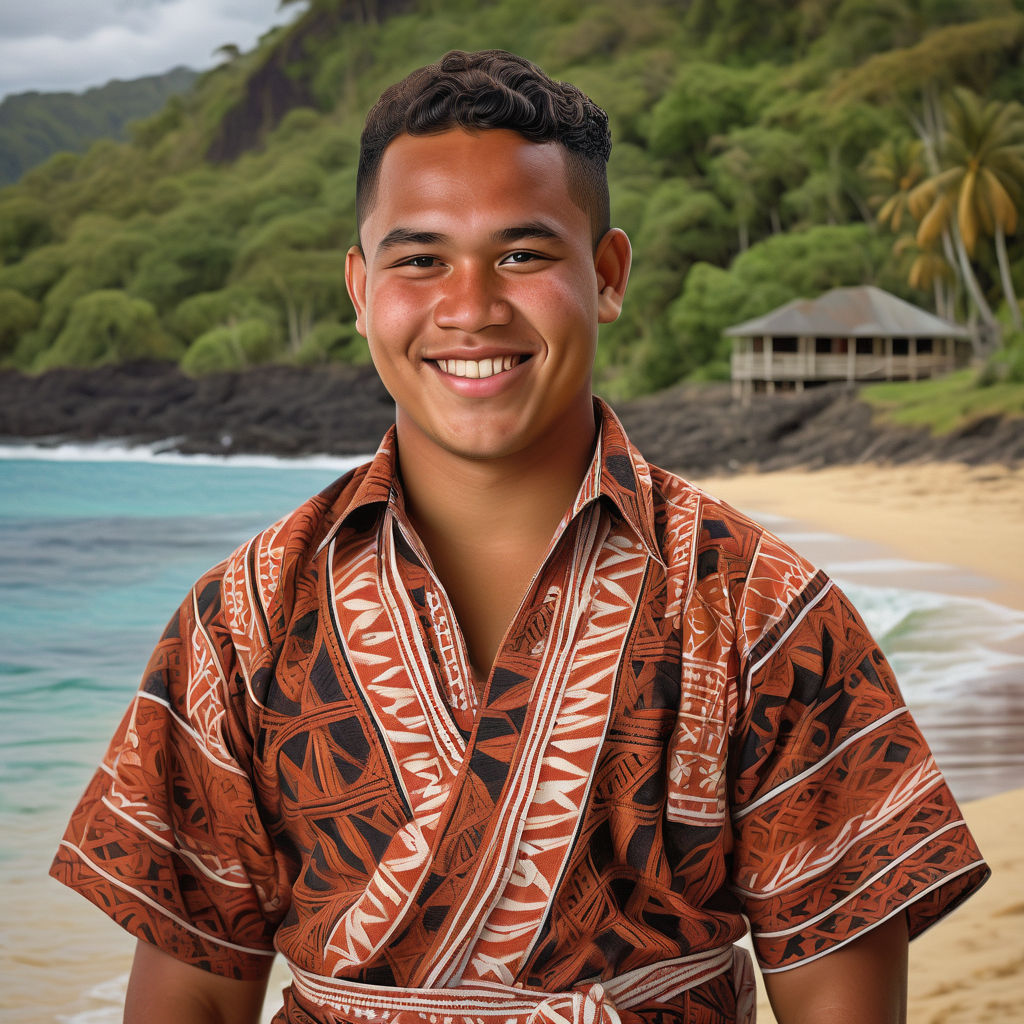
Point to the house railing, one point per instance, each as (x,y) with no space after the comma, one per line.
(804,366)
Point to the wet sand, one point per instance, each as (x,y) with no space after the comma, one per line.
(969,517)
(969,967)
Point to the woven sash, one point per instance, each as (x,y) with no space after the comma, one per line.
(338,1000)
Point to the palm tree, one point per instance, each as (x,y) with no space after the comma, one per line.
(893,170)
(978,188)
(929,269)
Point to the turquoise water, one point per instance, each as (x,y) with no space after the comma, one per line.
(98,548)
(94,557)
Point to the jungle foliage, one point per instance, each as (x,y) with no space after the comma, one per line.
(760,153)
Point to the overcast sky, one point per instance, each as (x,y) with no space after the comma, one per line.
(58,45)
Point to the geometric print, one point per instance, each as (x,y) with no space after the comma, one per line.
(686,723)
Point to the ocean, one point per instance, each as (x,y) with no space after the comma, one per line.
(99,545)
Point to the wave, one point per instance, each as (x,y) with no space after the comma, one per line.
(160,452)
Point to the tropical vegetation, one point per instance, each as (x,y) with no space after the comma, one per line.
(762,152)
(35,125)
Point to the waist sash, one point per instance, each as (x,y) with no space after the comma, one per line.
(483,1002)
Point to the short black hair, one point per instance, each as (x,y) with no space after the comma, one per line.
(492,89)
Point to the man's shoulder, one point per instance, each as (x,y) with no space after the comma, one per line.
(681,506)
(264,572)
(729,563)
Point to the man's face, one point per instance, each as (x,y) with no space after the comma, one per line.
(480,292)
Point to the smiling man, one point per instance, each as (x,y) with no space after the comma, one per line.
(508,725)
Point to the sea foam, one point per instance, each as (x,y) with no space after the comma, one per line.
(162,454)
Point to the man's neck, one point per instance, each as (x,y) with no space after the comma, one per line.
(520,497)
(487,523)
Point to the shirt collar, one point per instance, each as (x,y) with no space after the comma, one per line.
(617,472)
(378,486)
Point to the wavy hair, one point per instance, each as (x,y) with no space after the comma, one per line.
(493,89)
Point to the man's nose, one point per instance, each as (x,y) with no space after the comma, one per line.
(471,299)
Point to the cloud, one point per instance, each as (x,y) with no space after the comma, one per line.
(53,45)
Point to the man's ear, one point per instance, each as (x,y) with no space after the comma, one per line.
(355,282)
(611,261)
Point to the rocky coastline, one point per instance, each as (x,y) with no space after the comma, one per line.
(341,410)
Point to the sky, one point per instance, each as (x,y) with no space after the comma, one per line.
(70,45)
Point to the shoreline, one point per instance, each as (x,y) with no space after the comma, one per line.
(344,410)
(970,518)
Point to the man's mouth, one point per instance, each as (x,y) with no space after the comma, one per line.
(478,368)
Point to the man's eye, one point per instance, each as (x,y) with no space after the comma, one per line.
(521,257)
(423,262)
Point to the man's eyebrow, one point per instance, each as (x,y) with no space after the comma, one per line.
(506,236)
(533,229)
(406,236)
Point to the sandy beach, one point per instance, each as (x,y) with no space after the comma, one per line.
(969,968)
(968,517)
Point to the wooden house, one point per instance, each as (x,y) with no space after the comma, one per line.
(847,334)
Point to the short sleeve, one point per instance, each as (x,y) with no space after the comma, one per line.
(841,818)
(167,839)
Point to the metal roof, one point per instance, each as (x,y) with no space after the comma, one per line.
(863,312)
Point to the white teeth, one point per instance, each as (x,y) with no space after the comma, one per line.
(477,368)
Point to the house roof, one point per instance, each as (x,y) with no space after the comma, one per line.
(864,312)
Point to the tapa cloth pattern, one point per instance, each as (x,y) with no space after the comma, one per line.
(685,722)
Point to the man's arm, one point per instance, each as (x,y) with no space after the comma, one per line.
(864,982)
(165,990)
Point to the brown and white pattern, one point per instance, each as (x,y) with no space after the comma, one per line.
(686,723)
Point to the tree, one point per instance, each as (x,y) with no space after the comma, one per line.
(754,170)
(978,189)
(705,100)
(38,272)
(927,268)
(232,347)
(289,260)
(893,171)
(24,225)
(18,315)
(108,326)
(198,314)
(310,285)
(189,257)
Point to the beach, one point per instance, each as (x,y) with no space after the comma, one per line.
(970,517)
(910,526)
(970,968)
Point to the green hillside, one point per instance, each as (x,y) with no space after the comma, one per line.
(35,125)
(762,151)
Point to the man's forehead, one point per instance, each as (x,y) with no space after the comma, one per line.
(494,170)
(460,156)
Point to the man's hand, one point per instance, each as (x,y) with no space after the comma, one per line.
(163,990)
(862,983)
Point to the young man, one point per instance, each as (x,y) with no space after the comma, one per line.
(508,725)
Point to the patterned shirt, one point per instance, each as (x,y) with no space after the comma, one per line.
(685,723)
